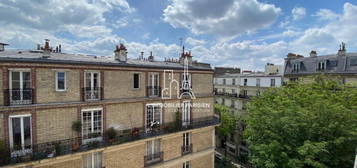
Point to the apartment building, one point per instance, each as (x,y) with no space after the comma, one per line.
(235,91)
(80,111)
(342,66)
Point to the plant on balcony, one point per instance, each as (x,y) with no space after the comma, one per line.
(77,127)
(4,153)
(93,144)
(111,134)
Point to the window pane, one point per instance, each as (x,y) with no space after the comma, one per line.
(136,81)
(88,79)
(87,161)
(61,80)
(16,133)
(27,131)
(15,82)
(98,159)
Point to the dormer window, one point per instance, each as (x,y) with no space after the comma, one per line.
(321,65)
(296,67)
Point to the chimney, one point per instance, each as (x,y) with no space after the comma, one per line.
(151,57)
(142,55)
(120,53)
(2,46)
(47,50)
(56,49)
(60,48)
(185,55)
(313,53)
(342,50)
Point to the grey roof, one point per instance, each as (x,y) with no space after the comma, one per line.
(335,64)
(260,74)
(35,56)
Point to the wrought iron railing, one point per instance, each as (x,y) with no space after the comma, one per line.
(153,158)
(69,146)
(153,91)
(186,149)
(92,93)
(18,96)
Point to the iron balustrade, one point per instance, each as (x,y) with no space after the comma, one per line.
(92,93)
(153,91)
(153,158)
(74,145)
(18,96)
(186,149)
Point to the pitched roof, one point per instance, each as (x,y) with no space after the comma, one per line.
(335,64)
(35,56)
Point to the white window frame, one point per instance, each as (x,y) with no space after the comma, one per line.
(21,71)
(92,124)
(271,82)
(186,164)
(152,83)
(186,114)
(65,81)
(92,157)
(139,81)
(92,78)
(23,151)
(258,82)
(146,113)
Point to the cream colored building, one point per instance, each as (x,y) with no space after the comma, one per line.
(46,91)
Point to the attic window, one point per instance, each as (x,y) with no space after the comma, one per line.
(353,62)
(321,65)
(296,67)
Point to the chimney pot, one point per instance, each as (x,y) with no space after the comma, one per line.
(121,53)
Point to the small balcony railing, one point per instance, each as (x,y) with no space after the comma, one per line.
(18,96)
(186,149)
(153,91)
(243,96)
(92,93)
(153,158)
(74,145)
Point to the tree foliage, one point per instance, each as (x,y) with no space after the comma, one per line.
(303,126)
(228,121)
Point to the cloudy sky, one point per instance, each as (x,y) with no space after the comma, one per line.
(236,33)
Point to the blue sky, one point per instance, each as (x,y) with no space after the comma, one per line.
(235,33)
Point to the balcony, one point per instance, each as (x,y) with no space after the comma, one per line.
(18,96)
(153,158)
(153,91)
(74,145)
(243,96)
(92,93)
(186,149)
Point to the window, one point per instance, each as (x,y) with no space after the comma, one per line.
(153,116)
(20,87)
(91,124)
(92,160)
(92,85)
(272,82)
(153,85)
(136,80)
(321,65)
(233,81)
(224,81)
(186,81)
(186,113)
(233,91)
(186,143)
(153,149)
(186,164)
(60,81)
(245,82)
(224,90)
(296,67)
(258,82)
(20,134)
(245,93)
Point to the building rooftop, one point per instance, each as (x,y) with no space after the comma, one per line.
(335,63)
(36,56)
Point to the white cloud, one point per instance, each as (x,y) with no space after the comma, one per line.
(194,42)
(326,14)
(298,13)
(221,18)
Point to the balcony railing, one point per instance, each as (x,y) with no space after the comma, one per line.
(69,146)
(18,96)
(92,93)
(153,158)
(153,91)
(186,149)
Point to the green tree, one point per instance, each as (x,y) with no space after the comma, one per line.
(304,125)
(228,122)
